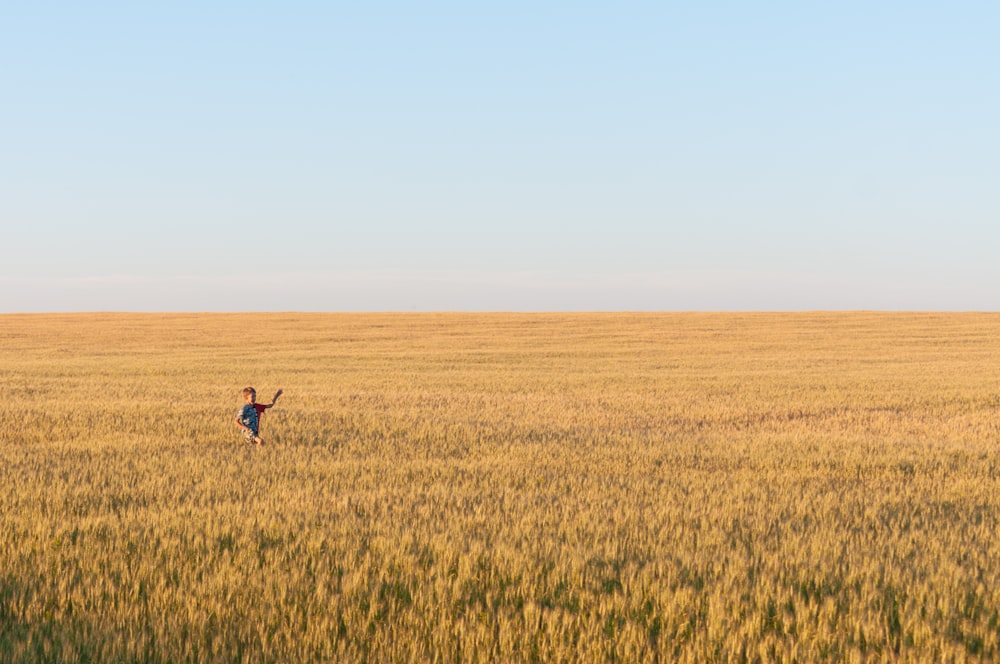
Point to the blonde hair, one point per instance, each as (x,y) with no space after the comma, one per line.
(249,390)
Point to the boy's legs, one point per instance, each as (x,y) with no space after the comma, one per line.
(250,438)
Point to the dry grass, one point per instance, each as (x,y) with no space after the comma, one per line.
(675,487)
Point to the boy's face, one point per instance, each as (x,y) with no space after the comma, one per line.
(252,397)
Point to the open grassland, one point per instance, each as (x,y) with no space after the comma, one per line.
(461,488)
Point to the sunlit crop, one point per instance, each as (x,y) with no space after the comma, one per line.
(501,488)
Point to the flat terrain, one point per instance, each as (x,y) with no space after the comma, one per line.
(501,487)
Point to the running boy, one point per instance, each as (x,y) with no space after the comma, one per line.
(248,417)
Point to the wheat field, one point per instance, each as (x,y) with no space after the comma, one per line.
(501,488)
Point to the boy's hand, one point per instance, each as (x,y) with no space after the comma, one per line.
(276,395)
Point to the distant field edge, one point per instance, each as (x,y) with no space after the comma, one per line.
(517,312)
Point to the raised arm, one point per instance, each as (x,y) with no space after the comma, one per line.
(275,399)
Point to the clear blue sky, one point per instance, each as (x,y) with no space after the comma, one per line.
(224,156)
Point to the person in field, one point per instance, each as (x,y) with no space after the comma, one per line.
(248,417)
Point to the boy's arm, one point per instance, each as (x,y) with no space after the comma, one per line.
(238,420)
(275,399)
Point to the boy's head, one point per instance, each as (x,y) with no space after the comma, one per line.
(250,395)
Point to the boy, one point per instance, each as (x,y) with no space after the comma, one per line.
(248,417)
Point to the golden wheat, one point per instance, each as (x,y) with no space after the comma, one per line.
(501,487)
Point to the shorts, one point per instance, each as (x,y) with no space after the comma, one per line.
(249,437)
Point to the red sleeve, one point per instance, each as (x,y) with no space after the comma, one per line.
(260,408)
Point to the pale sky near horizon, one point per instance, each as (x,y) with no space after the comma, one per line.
(314,156)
